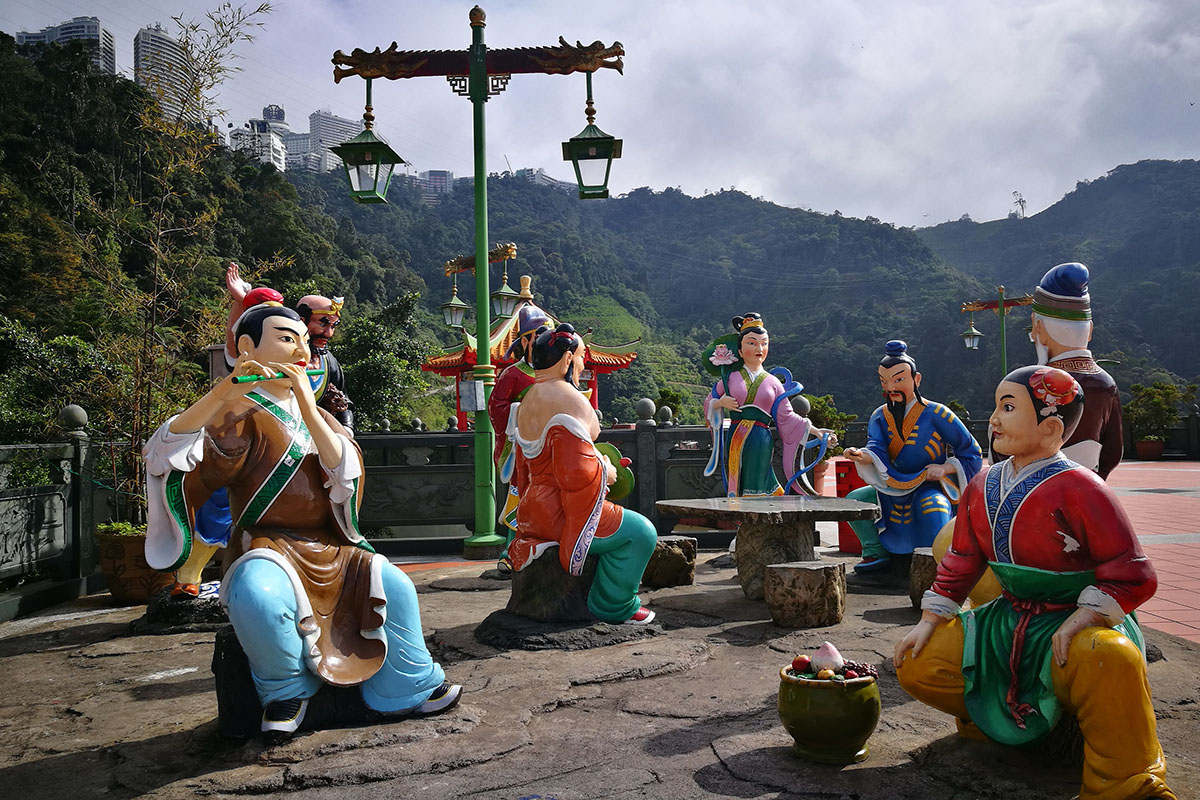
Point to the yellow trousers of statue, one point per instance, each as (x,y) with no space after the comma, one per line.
(1103,685)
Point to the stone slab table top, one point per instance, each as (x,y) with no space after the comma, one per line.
(772,510)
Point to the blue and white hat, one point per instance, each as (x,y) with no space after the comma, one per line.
(1063,293)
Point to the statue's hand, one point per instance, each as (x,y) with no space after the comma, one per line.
(244,366)
(234,283)
(916,639)
(856,455)
(1080,618)
(935,472)
(610,472)
(725,401)
(830,436)
(300,385)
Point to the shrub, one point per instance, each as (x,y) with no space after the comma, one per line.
(1154,409)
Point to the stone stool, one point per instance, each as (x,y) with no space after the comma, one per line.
(921,573)
(806,594)
(673,563)
(545,592)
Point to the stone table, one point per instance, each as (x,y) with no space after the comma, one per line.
(771,530)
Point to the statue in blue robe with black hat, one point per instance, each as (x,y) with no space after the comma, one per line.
(918,459)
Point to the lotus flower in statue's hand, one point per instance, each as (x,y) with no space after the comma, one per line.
(827,657)
(722,356)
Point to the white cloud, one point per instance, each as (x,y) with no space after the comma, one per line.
(913,111)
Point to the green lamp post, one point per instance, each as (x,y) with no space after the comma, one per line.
(1000,305)
(477,73)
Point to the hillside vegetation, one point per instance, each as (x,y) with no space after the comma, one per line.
(107,243)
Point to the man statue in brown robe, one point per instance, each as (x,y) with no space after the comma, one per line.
(309,599)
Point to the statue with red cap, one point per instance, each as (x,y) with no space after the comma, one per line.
(322,315)
(1062,637)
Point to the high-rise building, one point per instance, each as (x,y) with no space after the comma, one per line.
(85,28)
(328,130)
(161,66)
(300,155)
(539,176)
(433,184)
(258,138)
(275,116)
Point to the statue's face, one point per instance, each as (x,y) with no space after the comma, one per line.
(899,383)
(1014,423)
(283,341)
(754,349)
(576,362)
(321,327)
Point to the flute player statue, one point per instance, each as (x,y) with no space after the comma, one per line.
(309,599)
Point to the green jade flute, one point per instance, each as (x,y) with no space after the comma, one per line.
(275,377)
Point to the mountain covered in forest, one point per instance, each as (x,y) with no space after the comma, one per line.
(674,269)
(114,229)
(1138,230)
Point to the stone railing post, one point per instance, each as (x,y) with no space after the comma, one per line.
(80,524)
(646,459)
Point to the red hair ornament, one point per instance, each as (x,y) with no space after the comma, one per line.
(1054,388)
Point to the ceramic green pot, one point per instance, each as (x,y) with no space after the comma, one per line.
(829,721)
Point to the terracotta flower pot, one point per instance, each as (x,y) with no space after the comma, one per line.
(123,562)
(1148,449)
(818,476)
(829,721)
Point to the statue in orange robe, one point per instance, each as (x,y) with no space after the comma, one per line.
(562,482)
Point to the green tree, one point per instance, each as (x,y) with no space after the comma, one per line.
(382,359)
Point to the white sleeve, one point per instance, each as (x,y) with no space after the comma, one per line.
(1103,604)
(166,451)
(168,523)
(342,482)
(942,606)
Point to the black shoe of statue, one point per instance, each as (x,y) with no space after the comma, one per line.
(282,719)
(444,698)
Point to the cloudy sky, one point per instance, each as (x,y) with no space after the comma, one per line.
(912,111)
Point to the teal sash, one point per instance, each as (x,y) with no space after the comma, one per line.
(285,469)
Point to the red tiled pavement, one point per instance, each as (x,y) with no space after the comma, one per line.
(1175,608)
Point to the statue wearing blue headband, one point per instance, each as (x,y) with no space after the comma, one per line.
(908,463)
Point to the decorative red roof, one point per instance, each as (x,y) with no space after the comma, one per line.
(461,357)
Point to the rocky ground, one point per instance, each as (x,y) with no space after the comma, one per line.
(90,710)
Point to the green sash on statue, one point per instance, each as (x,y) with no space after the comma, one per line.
(987,643)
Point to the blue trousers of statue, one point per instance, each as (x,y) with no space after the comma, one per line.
(907,522)
(262,608)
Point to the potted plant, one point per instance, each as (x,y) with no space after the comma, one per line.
(122,549)
(1152,412)
(822,413)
